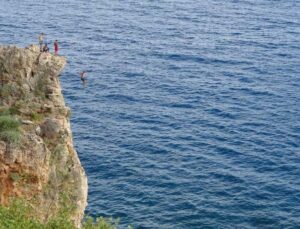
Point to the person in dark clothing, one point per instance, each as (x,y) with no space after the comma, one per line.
(56,47)
(45,48)
(83,77)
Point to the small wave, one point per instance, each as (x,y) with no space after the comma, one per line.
(120,98)
(220,113)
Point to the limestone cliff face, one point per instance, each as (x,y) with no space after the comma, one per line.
(43,166)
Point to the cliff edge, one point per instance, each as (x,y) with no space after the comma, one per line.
(37,159)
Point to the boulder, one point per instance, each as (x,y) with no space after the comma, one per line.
(50,128)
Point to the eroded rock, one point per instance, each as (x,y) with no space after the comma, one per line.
(44,164)
(50,128)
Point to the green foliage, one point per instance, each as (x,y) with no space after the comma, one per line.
(17,216)
(24,177)
(7,122)
(6,90)
(40,88)
(20,215)
(11,136)
(99,223)
(36,117)
(14,110)
(9,129)
(15,177)
(4,111)
(56,152)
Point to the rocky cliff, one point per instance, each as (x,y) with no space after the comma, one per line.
(37,158)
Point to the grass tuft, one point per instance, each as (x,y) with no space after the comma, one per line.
(36,117)
(9,129)
(11,136)
(8,122)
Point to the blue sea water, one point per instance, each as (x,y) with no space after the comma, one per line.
(191,114)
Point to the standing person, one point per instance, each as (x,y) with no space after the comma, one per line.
(41,41)
(56,47)
(83,77)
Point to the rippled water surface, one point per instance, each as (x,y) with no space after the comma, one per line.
(191,116)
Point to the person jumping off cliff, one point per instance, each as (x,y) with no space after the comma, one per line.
(56,47)
(83,77)
(41,41)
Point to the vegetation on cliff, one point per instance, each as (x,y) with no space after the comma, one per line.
(19,215)
(9,129)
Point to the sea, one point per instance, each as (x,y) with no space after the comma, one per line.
(191,114)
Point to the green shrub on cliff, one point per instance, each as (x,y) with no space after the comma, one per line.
(10,136)
(9,129)
(40,88)
(13,110)
(99,223)
(36,117)
(17,215)
(7,90)
(7,122)
(20,215)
